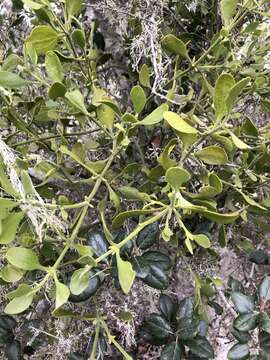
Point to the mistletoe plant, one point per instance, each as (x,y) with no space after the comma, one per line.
(73,153)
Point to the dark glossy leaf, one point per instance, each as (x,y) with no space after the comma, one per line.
(152,268)
(148,236)
(187,328)
(13,350)
(157,327)
(98,243)
(264,321)
(235,285)
(241,337)
(239,352)
(7,322)
(243,303)
(6,336)
(167,307)
(171,351)
(264,288)
(218,309)
(201,347)
(264,340)
(75,356)
(245,322)
(186,307)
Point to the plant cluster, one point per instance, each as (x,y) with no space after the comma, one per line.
(97,191)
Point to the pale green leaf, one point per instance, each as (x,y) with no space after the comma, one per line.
(238,142)
(61,294)
(177,123)
(223,87)
(228,9)
(138,98)
(9,227)
(177,176)
(19,304)
(144,76)
(213,155)
(23,258)
(54,67)
(43,38)
(73,7)
(155,116)
(79,281)
(11,81)
(126,274)
(174,45)
(202,240)
(75,97)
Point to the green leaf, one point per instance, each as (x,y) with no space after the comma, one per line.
(79,281)
(126,274)
(177,123)
(172,44)
(78,37)
(43,39)
(164,159)
(61,294)
(120,218)
(23,258)
(54,67)
(228,9)
(19,304)
(144,76)
(201,347)
(5,182)
(242,337)
(187,328)
(171,351)
(245,322)
(148,236)
(106,115)
(243,303)
(57,90)
(213,155)
(238,352)
(264,288)
(35,5)
(235,92)
(223,87)
(94,283)
(238,143)
(11,81)
(11,274)
(176,177)
(138,98)
(202,240)
(76,99)
(186,307)
(155,116)
(221,218)
(9,227)
(73,7)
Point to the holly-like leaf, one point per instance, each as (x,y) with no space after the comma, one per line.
(264,288)
(243,303)
(167,307)
(171,351)
(201,347)
(238,352)
(148,236)
(157,327)
(98,243)
(245,322)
